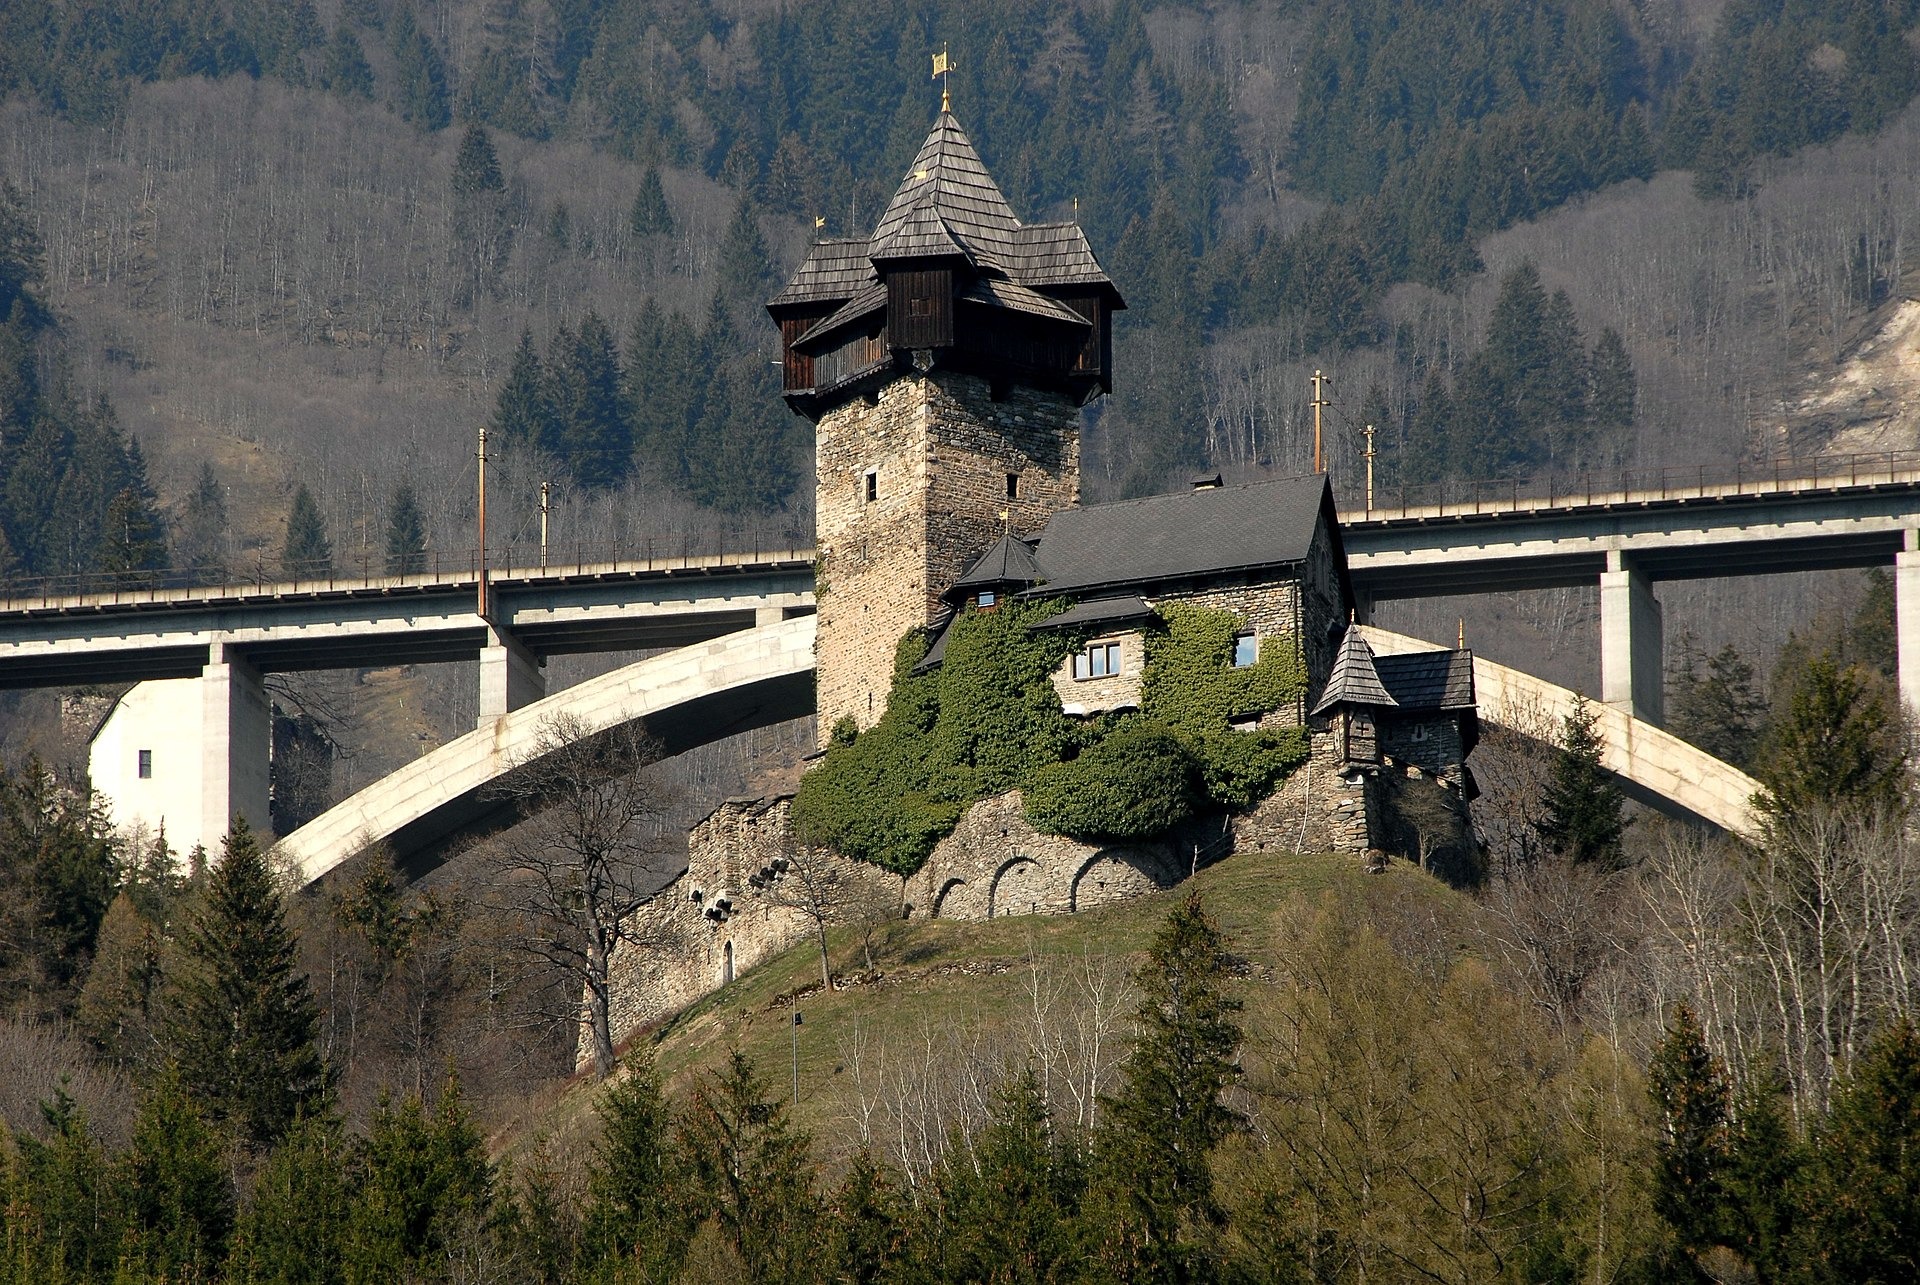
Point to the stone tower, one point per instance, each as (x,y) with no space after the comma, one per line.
(944,361)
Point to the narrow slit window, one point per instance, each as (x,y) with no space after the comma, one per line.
(872,485)
(146,765)
(1013,486)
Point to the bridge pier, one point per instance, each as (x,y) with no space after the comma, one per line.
(1906,618)
(1632,669)
(510,677)
(236,736)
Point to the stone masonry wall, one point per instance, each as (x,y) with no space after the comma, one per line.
(1271,609)
(940,450)
(1112,691)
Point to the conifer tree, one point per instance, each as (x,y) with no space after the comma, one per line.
(68,1184)
(1763,1177)
(133,539)
(345,70)
(420,88)
(294,1229)
(744,263)
(1863,1205)
(1154,1188)
(589,404)
(1718,709)
(56,880)
(426,1191)
(650,215)
(245,1025)
(201,543)
(746,1173)
(1009,1202)
(1833,741)
(1583,803)
(406,533)
(1611,403)
(523,416)
(117,1006)
(633,1215)
(476,166)
(307,553)
(872,1225)
(1690,1091)
(174,1183)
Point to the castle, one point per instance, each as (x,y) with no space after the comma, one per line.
(944,361)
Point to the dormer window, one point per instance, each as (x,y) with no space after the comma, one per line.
(987,600)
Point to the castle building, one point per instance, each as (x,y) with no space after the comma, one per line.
(944,361)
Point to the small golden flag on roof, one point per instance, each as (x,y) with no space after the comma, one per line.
(941,65)
(819,223)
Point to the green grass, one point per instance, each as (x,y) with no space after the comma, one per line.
(972,977)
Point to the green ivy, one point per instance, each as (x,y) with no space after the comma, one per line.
(989,720)
(1192,689)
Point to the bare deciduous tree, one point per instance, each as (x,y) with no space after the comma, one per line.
(573,874)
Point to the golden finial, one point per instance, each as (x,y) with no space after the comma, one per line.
(942,65)
(1006,521)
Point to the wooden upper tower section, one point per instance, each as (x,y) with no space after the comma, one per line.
(949,273)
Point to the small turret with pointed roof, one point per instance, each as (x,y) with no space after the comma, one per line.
(950,274)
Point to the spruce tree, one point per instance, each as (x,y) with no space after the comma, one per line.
(426,1191)
(872,1225)
(1154,1155)
(406,533)
(1611,402)
(133,539)
(632,1212)
(1763,1177)
(523,418)
(245,1023)
(175,1186)
(1711,702)
(476,166)
(589,404)
(294,1229)
(345,70)
(420,89)
(650,215)
(1863,1205)
(1009,1202)
(201,534)
(1689,1088)
(307,553)
(745,1171)
(1583,805)
(744,263)
(1834,739)
(69,1186)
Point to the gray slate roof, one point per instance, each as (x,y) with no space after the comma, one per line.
(1429,679)
(1185,535)
(948,205)
(1099,611)
(1009,561)
(1355,679)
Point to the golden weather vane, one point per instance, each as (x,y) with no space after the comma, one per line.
(942,67)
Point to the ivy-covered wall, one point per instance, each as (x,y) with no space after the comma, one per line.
(989,720)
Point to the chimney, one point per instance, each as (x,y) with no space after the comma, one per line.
(1211,483)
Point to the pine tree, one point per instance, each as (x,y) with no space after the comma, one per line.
(201,534)
(173,1181)
(294,1229)
(650,215)
(476,166)
(746,1173)
(1611,402)
(245,1025)
(1689,1089)
(523,417)
(1833,741)
(345,70)
(1583,803)
(1863,1209)
(307,553)
(744,263)
(406,533)
(426,1191)
(632,1215)
(1154,1155)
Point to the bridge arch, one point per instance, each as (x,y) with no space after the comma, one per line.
(1653,767)
(687,697)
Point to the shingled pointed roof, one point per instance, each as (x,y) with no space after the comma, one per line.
(1009,561)
(1429,679)
(1355,679)
(948,206)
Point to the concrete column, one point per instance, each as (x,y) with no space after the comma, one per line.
(1632,668)
(236,740)
(510,677)
(768,615)
(1906,618)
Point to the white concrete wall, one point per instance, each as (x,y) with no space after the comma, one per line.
(163,717)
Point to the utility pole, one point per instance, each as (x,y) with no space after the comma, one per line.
(1369,470)
(1320,402)
(545,488)
(480,561)
(796,1059)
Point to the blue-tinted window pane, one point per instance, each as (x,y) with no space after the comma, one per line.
(1246,650)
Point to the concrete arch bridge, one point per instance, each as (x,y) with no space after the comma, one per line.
(757,677)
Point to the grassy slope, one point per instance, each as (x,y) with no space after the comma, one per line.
(973,974)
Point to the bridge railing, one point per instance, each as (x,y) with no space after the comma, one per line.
(1786,475)
(368,570)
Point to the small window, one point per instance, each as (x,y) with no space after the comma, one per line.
(1417,732)
(872,485)
(1101,660)
(1013,486)
(1246,650)
(987,600)
(146,765)
(918,307)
